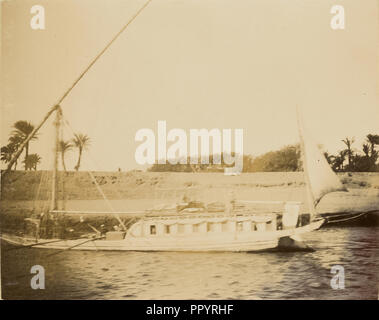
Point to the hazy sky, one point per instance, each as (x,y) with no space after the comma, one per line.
(196,64)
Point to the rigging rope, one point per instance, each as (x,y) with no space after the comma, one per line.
(42,197)
(67,124)
(38,191)
(103,51)
(55,107)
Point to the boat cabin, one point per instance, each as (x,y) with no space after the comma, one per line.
(206,223)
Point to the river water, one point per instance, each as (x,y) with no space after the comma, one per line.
(162,275)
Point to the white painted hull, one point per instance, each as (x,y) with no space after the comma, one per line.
(233,241)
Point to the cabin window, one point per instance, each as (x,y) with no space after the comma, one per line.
(239,226)
(153,229)
(167,229)
(209,228)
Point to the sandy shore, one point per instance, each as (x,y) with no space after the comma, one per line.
(140,190)
(30,185)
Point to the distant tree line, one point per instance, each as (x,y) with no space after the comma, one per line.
(189,167)
(22,129)
(354,160)
(285,159)
(288,158)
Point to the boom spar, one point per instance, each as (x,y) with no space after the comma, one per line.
(33,133)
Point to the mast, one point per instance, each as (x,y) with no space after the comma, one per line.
(311,200)
(54,190)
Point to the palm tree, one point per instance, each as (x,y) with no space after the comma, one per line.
(373,139)
(366,150)
(64,146)
(349,152)
(22,129)
(7,152)
(82,142)
(339,160)
(32,161)
(15,142)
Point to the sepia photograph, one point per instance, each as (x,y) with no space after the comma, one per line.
(204,150)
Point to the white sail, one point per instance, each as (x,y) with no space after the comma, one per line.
(320,176)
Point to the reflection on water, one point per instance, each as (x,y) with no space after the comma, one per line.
(162,275)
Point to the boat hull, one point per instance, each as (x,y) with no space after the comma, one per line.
(232,242)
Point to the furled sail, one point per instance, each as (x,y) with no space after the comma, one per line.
(320,177)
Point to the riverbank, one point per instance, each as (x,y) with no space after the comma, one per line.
(31,185)
(27,193)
